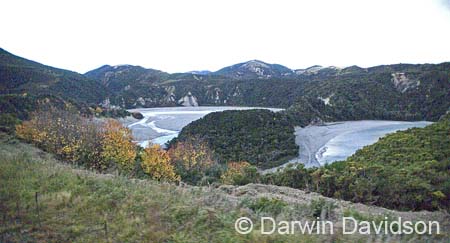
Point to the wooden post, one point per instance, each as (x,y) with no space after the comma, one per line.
(106,231)
(36,196)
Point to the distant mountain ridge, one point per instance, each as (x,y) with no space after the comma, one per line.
(254,69)
(396,92)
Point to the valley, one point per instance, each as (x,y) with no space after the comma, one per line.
(261,136)
(225,121)
(318,144)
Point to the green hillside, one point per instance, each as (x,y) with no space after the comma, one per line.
(26,86)
(394,92)
(19,76)
(43,200)
(406,170)
(260,137)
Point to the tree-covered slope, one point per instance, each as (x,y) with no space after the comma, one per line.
(19,76)
(406,170)
(25,86)
(121,77)
(394,92)
(261,137)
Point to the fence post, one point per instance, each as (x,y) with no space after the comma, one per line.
(36,196)
(106,230)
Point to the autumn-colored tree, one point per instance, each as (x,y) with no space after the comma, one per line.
(90,147)
(28,132)
(156,163)
(191,156)
(80,140)
(57,131)
(192,159)
(118,146)
(239,173)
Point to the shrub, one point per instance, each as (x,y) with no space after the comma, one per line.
(156,163)
(192,159)
(118,146)
(239,173)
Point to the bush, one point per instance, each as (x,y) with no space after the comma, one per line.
(239,173)
(80,140)
(192,159)
(156,163)
(117,145)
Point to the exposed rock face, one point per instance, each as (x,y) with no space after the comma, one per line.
(140,101)
(170,97)
(137,115)
(403,83)
(256,67)
(106,103)
(188,100)
(326,100)
(316,122)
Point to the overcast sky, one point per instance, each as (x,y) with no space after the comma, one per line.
(181,35)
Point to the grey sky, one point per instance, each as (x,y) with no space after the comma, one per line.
(180,35)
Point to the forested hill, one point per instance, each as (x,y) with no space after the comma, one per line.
(260,137)
(26,85)
(22,76)
(394,92)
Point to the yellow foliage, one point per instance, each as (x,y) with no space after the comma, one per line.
(77,139)
(117,145)
(233,169)
(156,163)
(25,131)
(191,155)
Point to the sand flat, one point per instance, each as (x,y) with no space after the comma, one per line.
(315,142)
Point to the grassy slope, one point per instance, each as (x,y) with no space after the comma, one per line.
(75,205)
